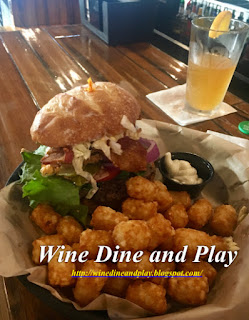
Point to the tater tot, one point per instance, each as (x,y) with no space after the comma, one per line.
(148,295)
(160,229)
(139,209)
(60,273)
(105,218)
(224,244)
(208,270)
(91,239)
(160,281)
(181,197)
(46,218)
(162,196)
(163,266)
(52,240)
(141,188)
(132,235)
(143,265)
(199,213)
(70,229)
(224,220)
(88,289)
(116,286)
(160,186)
(167,243)
(219,243)
(177,215)
(188,291)
(192,238)
(76,247)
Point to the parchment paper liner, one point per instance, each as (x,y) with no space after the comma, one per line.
(228,299)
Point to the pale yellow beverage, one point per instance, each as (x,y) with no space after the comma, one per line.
(208,79)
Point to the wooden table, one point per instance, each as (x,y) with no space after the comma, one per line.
(38,63)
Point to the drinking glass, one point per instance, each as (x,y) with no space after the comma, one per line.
(211,63)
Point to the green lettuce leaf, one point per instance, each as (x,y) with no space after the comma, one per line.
(61,194)
(125,175)
(67,170)
(80,213)
(54,190)
(32,163)
(140,173)
(41,150)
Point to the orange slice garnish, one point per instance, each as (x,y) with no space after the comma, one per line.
(220,24)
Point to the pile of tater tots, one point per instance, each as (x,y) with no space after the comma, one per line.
(152,218)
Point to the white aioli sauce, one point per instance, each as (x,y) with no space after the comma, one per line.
(181,171)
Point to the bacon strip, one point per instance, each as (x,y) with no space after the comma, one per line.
(58,155)
(133,157)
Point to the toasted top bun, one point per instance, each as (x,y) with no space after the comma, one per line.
(79,116)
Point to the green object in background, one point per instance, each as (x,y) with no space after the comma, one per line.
(244,127)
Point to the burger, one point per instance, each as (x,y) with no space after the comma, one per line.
(89,147)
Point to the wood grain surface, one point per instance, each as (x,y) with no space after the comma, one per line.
(38,63)
(30,13)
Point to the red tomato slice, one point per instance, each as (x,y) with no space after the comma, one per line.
(68,155)
(106,174)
